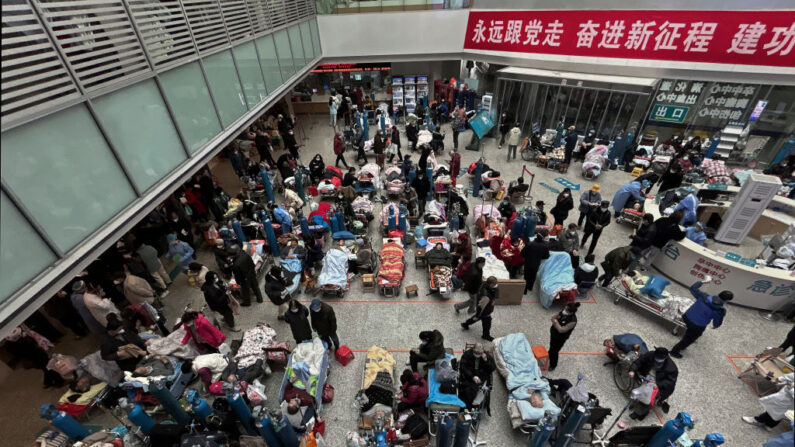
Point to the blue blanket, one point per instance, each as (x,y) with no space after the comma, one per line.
(556,275)
(436,396)
(335,269)
(524,376)
(292,265)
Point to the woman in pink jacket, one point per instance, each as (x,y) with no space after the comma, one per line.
(413,390)
(204,335)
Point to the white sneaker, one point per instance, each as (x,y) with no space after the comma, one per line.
(751,420)
(234,329)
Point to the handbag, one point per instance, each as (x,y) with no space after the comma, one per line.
(319,428)
(328,393)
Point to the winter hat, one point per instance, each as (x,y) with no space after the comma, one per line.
(171,237)
(660,353)
(315,305)
(595,187)
(645,183)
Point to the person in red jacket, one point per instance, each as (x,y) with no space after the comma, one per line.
(413,391)
(205,336)
(510,250)
(339,150)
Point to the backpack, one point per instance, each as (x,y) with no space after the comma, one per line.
(415,427)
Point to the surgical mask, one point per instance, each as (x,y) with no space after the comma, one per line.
(564,312)
(294,310)
(659,363)
(604,208)
(572,233)
(685,158)
(565,195)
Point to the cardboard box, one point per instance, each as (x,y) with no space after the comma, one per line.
(511,292)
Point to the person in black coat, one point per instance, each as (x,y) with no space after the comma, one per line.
(297,316)
(396,141)
(116,338)
(571,142)
(217,299)
(264,149)
(563,324)
(533,253)
(350,177)
(652,177)
(245,275)
(431,349)
(182,228)
(411,135)
(290,144)
(474,370)
(665,375)
(276,289)
(222,258)
(597,220)
(563,205)
(643,236)
(587,272)
(487,295)
(506,208)
(316,168)
(324,322)
(671,179)
(421,185)
(473,278)
(665,229)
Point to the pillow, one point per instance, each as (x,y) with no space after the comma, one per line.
(654,286)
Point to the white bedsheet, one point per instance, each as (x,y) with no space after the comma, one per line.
(311,354)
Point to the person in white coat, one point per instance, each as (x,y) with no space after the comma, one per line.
(514,137)
(775,405)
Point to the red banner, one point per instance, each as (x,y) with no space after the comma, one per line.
(727,37)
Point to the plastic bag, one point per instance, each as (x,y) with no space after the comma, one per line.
(646,393)
(256,393)
(444,372)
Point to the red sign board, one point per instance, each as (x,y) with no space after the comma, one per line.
(727,37)
(341,68)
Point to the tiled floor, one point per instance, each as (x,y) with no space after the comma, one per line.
(707,386)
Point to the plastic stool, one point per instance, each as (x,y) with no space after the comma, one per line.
(636,172)
(541,355)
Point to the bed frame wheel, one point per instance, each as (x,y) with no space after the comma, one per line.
(675,330)
(616,300)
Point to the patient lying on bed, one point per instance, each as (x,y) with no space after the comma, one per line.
(301,417)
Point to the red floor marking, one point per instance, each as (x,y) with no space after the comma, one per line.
(582,353)
(397,301)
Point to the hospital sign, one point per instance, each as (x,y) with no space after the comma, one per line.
(669,114)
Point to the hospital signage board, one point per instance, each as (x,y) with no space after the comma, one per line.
(727,37)
(669,114)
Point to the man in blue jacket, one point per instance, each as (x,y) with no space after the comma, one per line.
(706,308)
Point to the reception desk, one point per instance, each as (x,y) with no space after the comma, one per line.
(759,287)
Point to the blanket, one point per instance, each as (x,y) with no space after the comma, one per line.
(376,360)
(494,267)
(311,354)
(172,345)
(595,159)
(252,347)
(85,398)
(216,363)
(556,276)
(362,204)
(293,268)
(434,393)
(335,269)
(524,376)
(108,372)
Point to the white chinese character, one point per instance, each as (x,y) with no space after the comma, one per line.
(666,86)
(748,90)
(699,35)
(746,39)
(714,89)
(661,111)
(678,113)
(724,114)
(735,115)
(638,35)
(737,89)
(531,32)
(782,41)
(666,38)
(680,98)
(696,87)
(714,113)
(720,101)
(495,31)
(586,33)
(661,97)
(709,101)
(730,103)
(742,103)
(671,97)
(726,89)
(480,32)
(703,112)
(681,86)
(611,34)
(553,32)
(691,99)
(514,32)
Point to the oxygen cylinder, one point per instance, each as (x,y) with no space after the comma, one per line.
(402,221)
(201,409)
(299,184)
(543,431)
(63,422)
(340,221)
(304,227)
(429,178)
(139,417)
(573,424)
(266,180)
(714,440)
(286,433)
(241,411)
(444,425)
(671,430)
(454,224)
(169,403)
(462,425)
(266,224)
(392,221)
(268,432)
(517,229)
(334,224)
(239,231)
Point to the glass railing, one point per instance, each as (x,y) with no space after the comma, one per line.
(355,6)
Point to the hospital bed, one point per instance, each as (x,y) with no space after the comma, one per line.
(333,278)
(377,360)
(315,355)
(438,403)
(556,279)
(669,309)
(439,277)
(518,366)
(391,268)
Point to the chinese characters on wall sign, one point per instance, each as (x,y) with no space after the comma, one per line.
(747,37)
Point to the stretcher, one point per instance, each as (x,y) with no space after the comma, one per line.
(391,268)
(621,288)
(316,382)
(594,162)
(556,277)
(438,403)
(377,360)
(333,278)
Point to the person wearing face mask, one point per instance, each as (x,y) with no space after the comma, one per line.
(672,178)
(506,208)
(339,150)
(422,186)
(324,322)
(379,145)
(350,177)
(616,261)
(631,190)
(586,145)
(563,323)
(475,369)
(563,205)
(570,240)
(588,200)
(316,168)
(585,275)
(647,180)
(597,220)
(291,144)
(124,347)
(182,228)
(659,364)
(217,298)
(533,253)
(706,309)
(276,289)
(297,316)
(488,294)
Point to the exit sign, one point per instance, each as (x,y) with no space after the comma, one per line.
(670,114)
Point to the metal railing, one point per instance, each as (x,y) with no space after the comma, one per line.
(361,6)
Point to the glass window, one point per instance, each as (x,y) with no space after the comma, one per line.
(269,61)
(297,46)
(250,73)
(285,54)
(588,102)
(597,111)
(306,38)
(190,100)
(63,171)
(149,155)
(24,254)
(225,85)
(315,37)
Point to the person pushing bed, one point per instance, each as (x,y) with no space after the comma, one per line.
(698,316)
